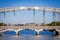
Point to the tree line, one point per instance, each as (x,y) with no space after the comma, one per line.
(49,24)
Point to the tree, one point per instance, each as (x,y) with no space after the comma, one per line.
(3,24)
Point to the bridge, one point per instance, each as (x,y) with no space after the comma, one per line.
(37,28)
(43,9)
(57,10)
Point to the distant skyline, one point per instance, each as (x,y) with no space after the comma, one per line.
(27,16)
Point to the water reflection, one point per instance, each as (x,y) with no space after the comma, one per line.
(39,37)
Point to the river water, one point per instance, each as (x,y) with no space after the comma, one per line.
(39,37)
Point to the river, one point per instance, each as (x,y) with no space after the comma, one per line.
(39,37)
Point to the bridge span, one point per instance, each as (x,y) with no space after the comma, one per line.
(57,10)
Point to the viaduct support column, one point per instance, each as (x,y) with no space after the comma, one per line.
(54,18)
(4,20)
(34,16)
(14,17)
(43,17)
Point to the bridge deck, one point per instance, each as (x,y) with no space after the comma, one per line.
(57,10)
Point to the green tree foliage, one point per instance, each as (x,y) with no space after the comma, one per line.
(3,24)
(53,24)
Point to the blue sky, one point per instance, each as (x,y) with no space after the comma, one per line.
(27,16)
(45,3)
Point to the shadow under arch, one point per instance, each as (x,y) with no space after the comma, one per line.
(48,32)
(27,32)
(9,32)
